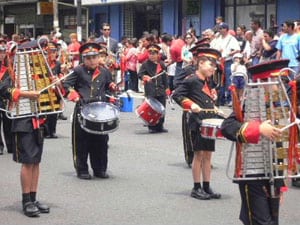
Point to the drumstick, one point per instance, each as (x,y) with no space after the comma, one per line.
(157,75)
(297,121)
(55,82)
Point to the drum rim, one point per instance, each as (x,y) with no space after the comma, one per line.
(100,132)
(162,108)
(115,108)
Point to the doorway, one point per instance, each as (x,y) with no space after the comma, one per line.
(147,18)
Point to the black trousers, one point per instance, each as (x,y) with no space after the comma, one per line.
(86,145)
(258,208)
(7,134)
(51,124)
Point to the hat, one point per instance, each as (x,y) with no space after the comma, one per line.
(224,26)
(203,42)
(153,48)
(89,49)
(52,45)
(2,40)
(207,52)
(11,46)
(237,55)
(268,69)
(194,50)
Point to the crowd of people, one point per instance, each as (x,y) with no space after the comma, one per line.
(196,71)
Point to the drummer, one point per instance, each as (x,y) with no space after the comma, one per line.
(194,94)
(89,82)
(155,87)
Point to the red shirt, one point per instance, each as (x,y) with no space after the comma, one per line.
(175,49)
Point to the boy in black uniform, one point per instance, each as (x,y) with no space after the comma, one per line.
(194,94)
(51,49)
(89,81)
(156,87)
(6,135)
(260,194)
(27,145)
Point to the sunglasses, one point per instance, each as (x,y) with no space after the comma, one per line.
(106,29)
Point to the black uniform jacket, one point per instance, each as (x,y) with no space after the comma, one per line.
(193,89)
(90,84)
(4,84)
(230,127)
(6,92)
(186,71)
(157,86)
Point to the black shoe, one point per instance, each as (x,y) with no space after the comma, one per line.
(42,207)
(200,194)
(151,131)
(30,209)
(1,151)
(296,182)
(84,176)
(213,194)
(53,136)
(163,130)
(101,174)
(62,117)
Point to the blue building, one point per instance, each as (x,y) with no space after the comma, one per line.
(132,17)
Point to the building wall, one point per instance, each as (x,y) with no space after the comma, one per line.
(170,16)
(287,11)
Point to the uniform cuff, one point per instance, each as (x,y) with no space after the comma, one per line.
(249,132)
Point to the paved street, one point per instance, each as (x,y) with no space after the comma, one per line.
(150,183)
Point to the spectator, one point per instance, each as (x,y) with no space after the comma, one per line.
(288,46)
(256,43)
(228,46)
(269,46)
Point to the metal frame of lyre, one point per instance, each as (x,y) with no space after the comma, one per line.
(33,73)
(267,100)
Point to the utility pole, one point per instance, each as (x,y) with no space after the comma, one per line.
(78,20)
(55,16)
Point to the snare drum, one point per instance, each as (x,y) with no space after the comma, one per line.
(150,111)
(211,128)
(99,118)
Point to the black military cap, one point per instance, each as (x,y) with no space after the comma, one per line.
(268,69)
(203,42)
(208,52)
(88,49)
(153,48)
(52,45)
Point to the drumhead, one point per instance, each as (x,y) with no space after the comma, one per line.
(216,122)
(156,105)
(100,111)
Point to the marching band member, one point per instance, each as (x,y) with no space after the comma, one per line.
(55,66)
(194,94)
(6,135)
(255,132)
(154,87)
(89,82)
(27,145)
